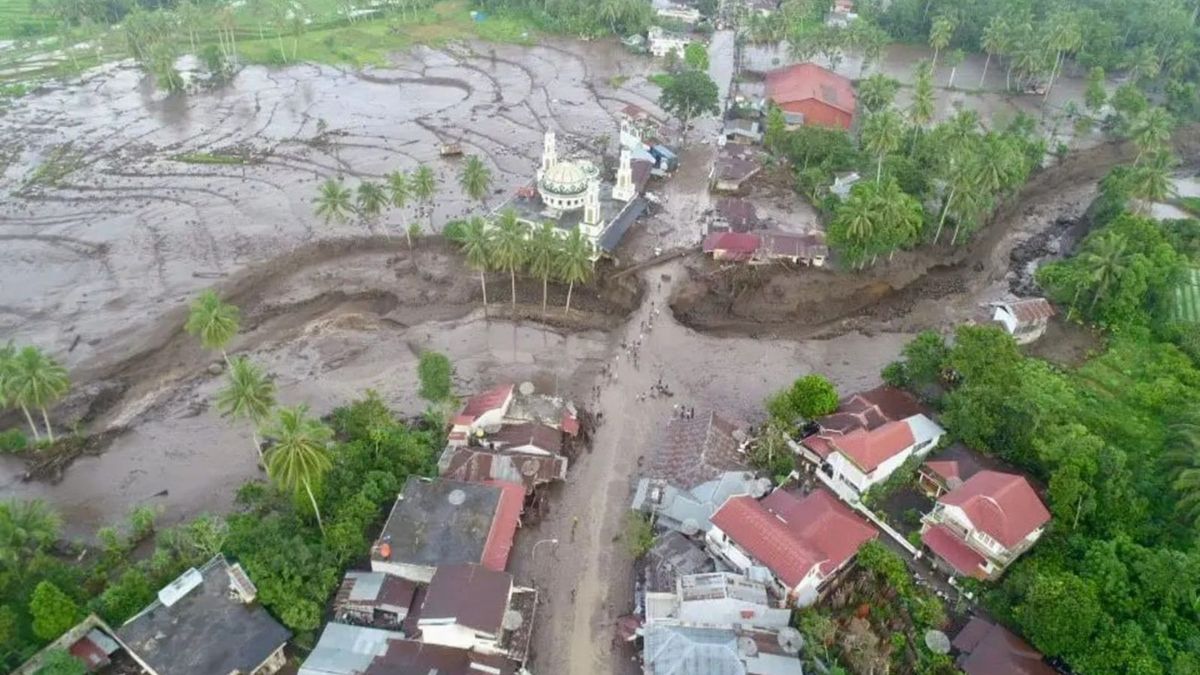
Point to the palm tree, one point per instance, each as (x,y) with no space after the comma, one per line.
(213,321)
(545,248)
(371,199)
(854,224)
(899,216)
(995,42)
(508,248)
(960,180)
(477,247)
(920,112)
(1182,455)
(877,92)
(1150,182)
(26,526)
(424,186)
(1106,262)
(575,264)
(476,178)
(399,188)
(249,395)
(940,33)
(1064,37)
(37,381)
(881,136)
(333,201)
(954,59)
(1151,130)
(299,457)
(1000,164)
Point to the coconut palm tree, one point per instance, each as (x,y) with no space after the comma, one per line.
(399,188)
(920,111)
(575,263)
(26,527)
(8,355)
(1064,36)
(371,199)
(249,395)
(424,186)
(37,381)
(1150,182)
(212,321)
(1151,130)
(475,178)
(1106,262)
(333,201)
(899,216)
(961,177)
(854,225)
(954,59)
(995,42)
(477,247)
(545,249)
(508,248)
(1182,455)
(299,457)
(881,136)
(877,92)
(940,33)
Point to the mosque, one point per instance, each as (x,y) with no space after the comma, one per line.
(573,194)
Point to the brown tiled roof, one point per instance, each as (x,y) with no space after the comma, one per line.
(409,657)
(873,408)
(739,213)
(736,162)
(954,465)
(696,450)
(989,649)
(539,436)
(804,81)
(1003,505)
(471,595)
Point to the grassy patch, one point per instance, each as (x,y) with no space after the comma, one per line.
(1187,298)
(616,81)
(60,163)
(663,80)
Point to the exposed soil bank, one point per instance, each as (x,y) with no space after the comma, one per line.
(930,287)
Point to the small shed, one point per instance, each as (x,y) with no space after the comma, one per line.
(1025,320)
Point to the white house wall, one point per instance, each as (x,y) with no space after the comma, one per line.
(418,573)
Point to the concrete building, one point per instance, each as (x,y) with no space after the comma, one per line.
(572,194)
(980,527)
(663,42)
(206,622)
(359,650)
(672,649)
(719,599)
(793,545)
(471,607)
(688,510)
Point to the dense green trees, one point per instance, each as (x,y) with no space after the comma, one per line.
(688,95)
(52,610)
(808,398)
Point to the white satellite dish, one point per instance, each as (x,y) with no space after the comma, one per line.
(747,647)
(526,389)
(690,527)
(512,620)
(760,488)
(937,642)
(790,640)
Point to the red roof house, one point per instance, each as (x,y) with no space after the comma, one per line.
(482,407)
(980,527)
(988,649)
(810,94)
(733,246)
(802,541)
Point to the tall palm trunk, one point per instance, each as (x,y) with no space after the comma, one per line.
(879,169)
(49,429)
(1053,74)
(986,62)
(1008,76)
(512,271)
(942,220)
(570,288)
(257,445)
(32,427)
(545,283)
(483,284)
(316,510)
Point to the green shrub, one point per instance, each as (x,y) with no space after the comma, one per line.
(13,440)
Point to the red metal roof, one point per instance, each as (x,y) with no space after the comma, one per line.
(484,402)
(954,551)
(732,244)
(1003,505)
(790,536)
(954,465)
(570,424)
(504,525)
(804,81)
(869,449)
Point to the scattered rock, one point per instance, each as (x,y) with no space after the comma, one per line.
(216,368)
